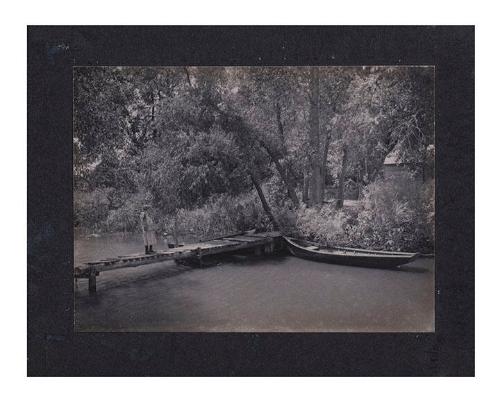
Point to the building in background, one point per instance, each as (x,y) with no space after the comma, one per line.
(396,169)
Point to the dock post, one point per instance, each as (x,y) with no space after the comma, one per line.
(200,261)
(92,281)
(269,248)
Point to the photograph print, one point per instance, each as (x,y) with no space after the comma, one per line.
(254,199)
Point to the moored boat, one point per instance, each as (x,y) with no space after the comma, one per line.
(346,255)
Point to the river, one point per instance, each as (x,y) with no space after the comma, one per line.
(239,294)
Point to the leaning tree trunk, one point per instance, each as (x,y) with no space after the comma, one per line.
(288,183)
(265,204)
(340,197)
(315,185)
(281,171)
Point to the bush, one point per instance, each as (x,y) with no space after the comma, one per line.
(94,211)
(221,214)
(325,225)
(90,209)
(395,215)
(126,217)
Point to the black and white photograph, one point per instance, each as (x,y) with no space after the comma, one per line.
(254,199)
(249,201)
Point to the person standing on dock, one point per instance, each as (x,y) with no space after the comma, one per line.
(148,229)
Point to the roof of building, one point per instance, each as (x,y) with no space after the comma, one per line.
(394,156)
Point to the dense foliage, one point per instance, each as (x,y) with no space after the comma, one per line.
(218,149)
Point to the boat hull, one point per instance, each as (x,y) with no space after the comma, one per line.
(358,258)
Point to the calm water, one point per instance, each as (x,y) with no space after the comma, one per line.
(280,293)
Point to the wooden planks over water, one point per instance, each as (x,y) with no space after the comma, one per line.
(260,242)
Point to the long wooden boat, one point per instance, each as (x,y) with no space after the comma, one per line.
(346,255)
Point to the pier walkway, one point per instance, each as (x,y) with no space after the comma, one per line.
(260,243)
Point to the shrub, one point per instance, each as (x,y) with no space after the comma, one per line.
(393,215)
(91,208)
(94,211)
(126,217)
(221,214)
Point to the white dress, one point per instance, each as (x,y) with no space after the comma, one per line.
(148,233)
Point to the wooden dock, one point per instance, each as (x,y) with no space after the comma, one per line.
(260,243)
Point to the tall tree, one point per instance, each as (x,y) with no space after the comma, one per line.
(314,137)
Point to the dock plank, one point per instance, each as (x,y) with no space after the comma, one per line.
(273,234)
(222,242)
(245,239)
